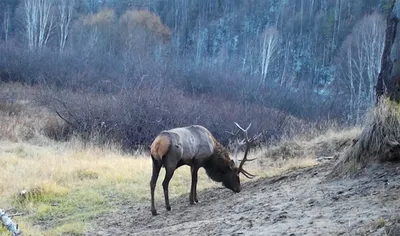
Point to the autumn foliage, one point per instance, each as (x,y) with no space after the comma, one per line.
(144,20)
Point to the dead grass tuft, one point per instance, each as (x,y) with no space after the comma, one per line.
(379,141)
(329,143)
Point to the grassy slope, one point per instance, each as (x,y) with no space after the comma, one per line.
(68,183)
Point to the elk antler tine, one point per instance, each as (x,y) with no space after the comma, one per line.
(248,127)
(249,159)
(245,171)
(257,136)
(247,174)
(232,133)
(240,127)
(241,142)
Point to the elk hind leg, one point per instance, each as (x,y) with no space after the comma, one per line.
(169,172)
(156,171)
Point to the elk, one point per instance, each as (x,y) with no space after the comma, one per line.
(195,146)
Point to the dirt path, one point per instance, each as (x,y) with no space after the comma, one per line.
(298,203)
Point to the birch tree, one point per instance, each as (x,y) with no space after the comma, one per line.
(370,37)
(270,38)
(6,24)
(360,64)
(39,20)
(65,8)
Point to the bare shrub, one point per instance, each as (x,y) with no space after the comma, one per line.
(133,117)
(22,119)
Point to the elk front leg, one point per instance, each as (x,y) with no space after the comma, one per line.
(193,190)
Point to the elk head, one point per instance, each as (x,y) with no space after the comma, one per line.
(231,179)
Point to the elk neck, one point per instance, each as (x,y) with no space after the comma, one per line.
(218,164)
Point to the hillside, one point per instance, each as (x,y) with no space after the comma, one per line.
(213,49)
(83,187)
(87,190)
(296,203)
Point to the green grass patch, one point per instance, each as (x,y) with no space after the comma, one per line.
(65,214)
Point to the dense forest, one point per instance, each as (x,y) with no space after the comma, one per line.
(130,68)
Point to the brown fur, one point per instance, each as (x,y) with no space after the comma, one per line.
(219,163)
(216,143)
(160,146)
(216,161)
(221,152)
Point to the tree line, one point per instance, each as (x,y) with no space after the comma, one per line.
(311,59)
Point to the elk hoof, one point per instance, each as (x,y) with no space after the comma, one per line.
(196,201)
(168,208)
(154,212)
(192,203)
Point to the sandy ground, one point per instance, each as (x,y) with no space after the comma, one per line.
(302,202)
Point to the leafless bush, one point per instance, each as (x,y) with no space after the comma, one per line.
(22,119)
(134,117)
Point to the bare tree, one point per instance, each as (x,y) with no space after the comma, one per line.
(269,46)
(360,54)
(31,22)
(65,8)
(285,72)
(249,60)
(39,22)
(6,24)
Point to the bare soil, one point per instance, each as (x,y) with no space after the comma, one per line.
(301,202)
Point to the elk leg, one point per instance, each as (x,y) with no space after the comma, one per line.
(156,171)
(169,172)
(193,190)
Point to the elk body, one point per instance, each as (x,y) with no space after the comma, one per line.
(195,146)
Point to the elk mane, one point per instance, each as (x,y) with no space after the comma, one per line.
(218,164)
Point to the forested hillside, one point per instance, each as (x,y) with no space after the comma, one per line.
(133,67)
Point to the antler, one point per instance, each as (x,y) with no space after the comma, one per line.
(238,144)
(248,141)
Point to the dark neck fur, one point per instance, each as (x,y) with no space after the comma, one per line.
(219,163)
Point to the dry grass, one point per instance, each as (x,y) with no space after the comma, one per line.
(328,143)
(63,171)
(61,176)
(379,140)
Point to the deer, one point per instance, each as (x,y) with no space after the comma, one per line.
(196,147)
